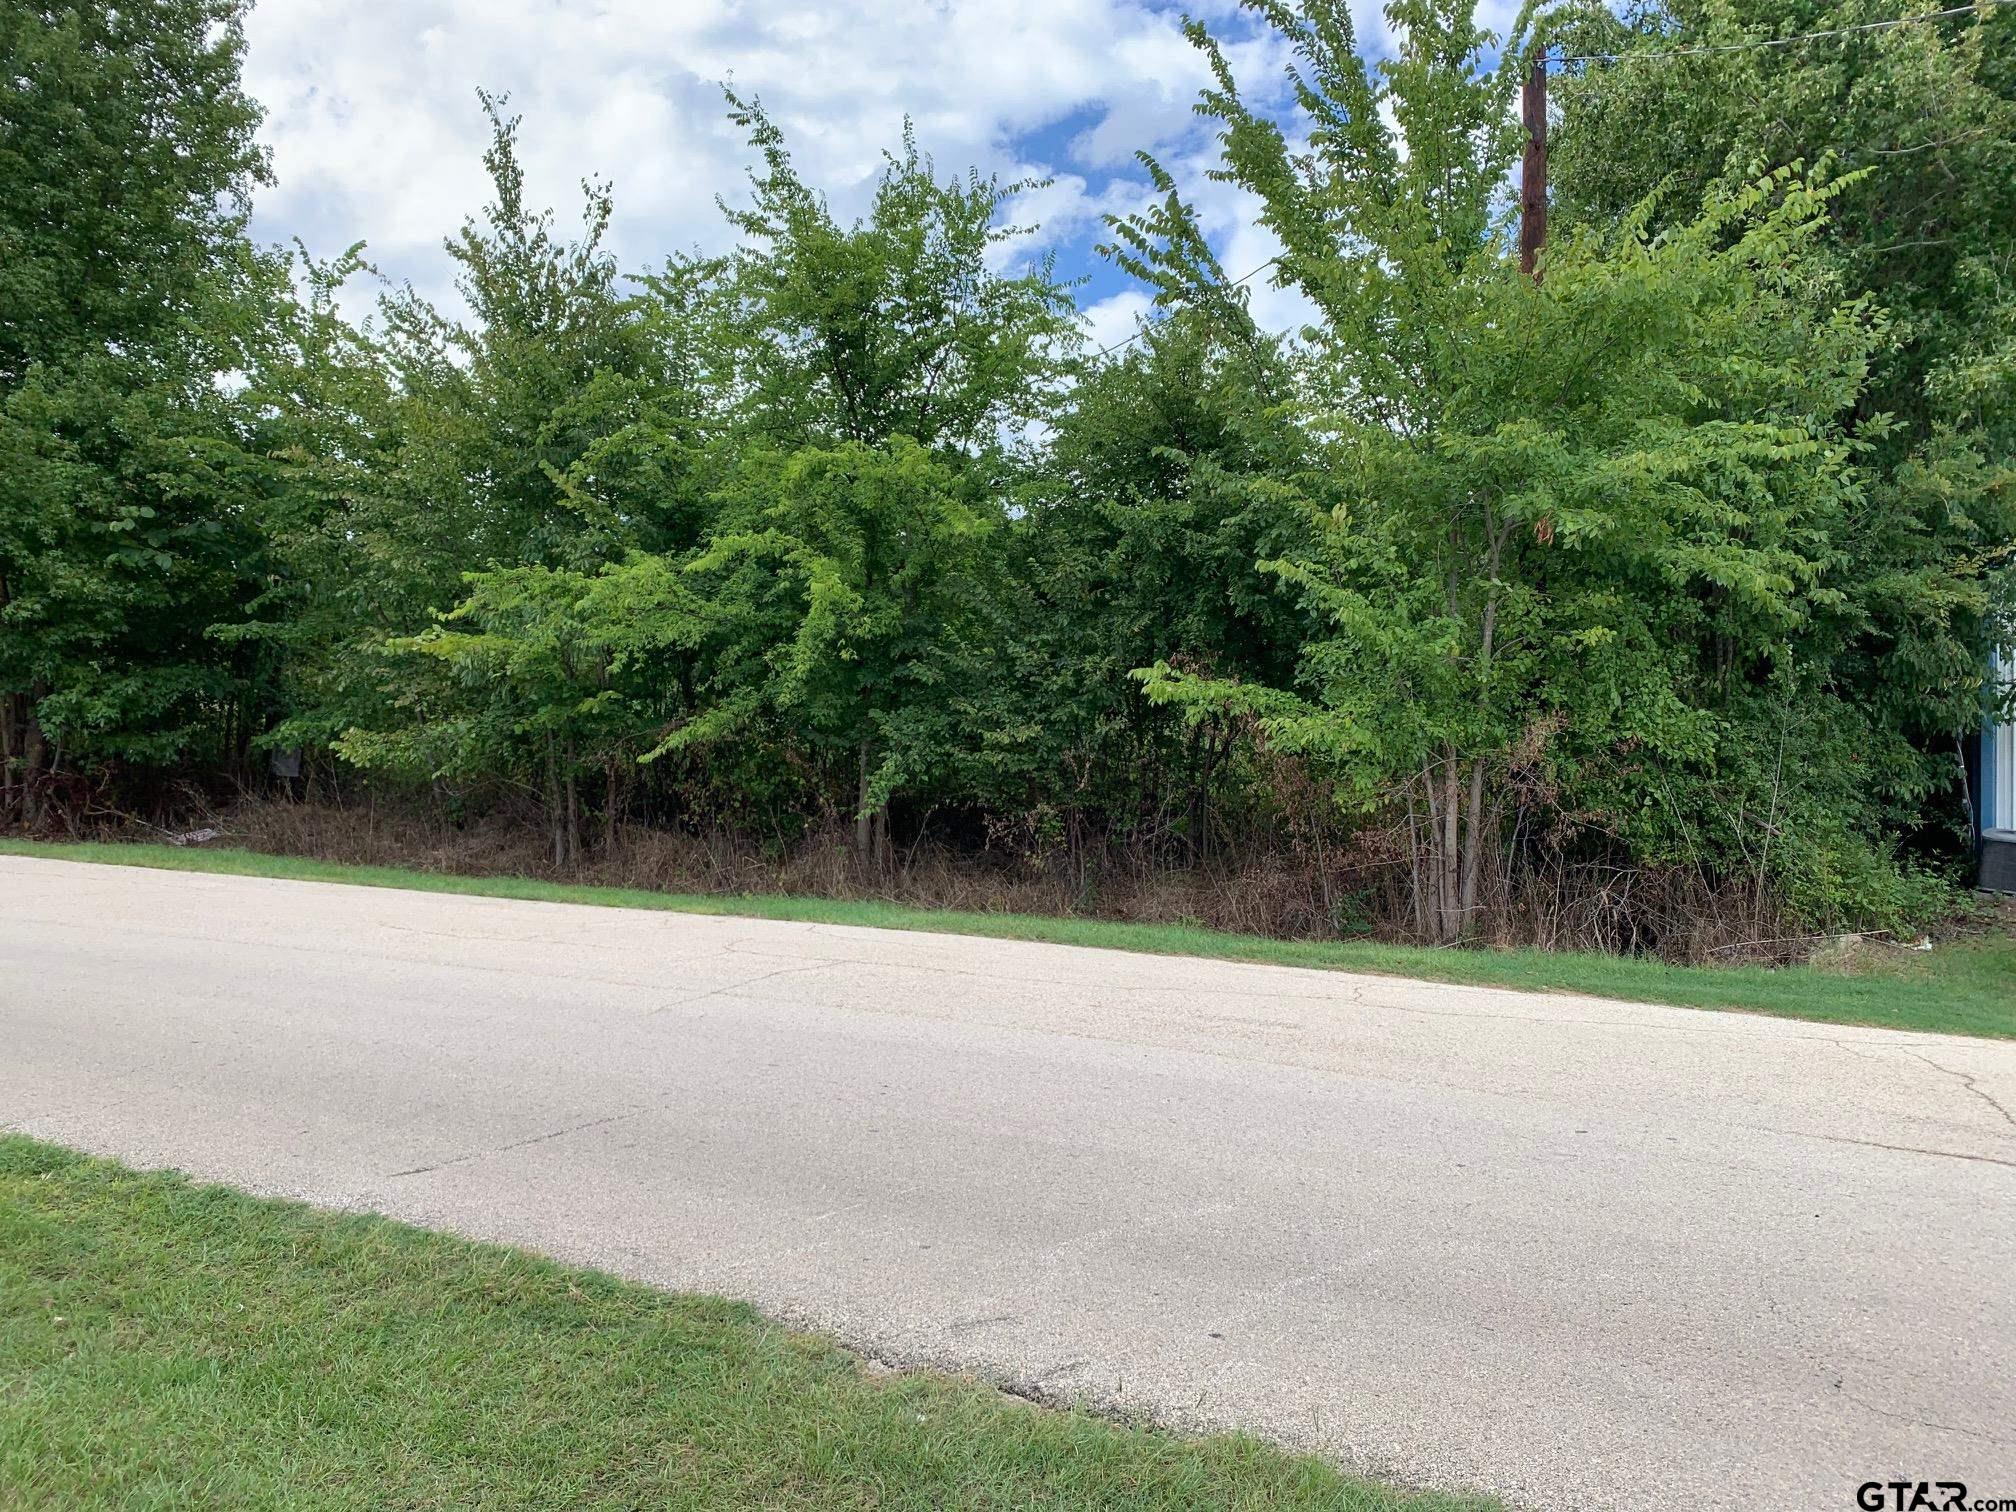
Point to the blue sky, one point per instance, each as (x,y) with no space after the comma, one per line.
(376,134)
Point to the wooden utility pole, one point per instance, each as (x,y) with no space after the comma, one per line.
(1533,171)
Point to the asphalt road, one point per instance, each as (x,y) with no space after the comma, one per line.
(1579,1253)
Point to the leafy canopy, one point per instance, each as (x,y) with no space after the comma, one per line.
(1555,519)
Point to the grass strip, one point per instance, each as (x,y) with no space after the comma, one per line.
(169,1344)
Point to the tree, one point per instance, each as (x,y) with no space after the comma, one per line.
(549,674)
(514,413)
(126,294)
(480,469)
(1557,521)
(1141,541)
(1675,565)
(857,606)
(1919,123)
(904,324)
(880,374)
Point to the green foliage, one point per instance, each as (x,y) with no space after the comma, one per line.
(553,428)
(854,599)
(127,292)
(1917,124)
(879,375)
(1684,557)
(898,326)
(1561,523)
(515,415)
(126,162)
(547,677)
(1142,540)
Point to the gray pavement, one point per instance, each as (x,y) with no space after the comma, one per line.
(1579,1253)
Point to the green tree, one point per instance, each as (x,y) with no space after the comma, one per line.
(1141,541)
(903,324)
(545,675)
(480,468)
(516,413)
(127,294)
(857,608)
(1557,522)
(336,576)
(1919,121)
(881,374)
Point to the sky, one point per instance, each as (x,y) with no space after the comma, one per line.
(376,133)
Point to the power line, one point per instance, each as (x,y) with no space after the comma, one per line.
(1144,329)
(1757,43)
(1752,45)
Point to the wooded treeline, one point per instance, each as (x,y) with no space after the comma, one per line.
(1645,604)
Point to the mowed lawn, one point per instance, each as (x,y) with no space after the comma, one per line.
(1963,986)
(168,1344)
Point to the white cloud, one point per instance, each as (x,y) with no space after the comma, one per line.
(376,133)
(1110,321)
(375,130)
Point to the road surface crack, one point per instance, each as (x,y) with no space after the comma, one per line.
(1875,1055)
(1971,1083)
(519,1144)
(965,1323)
(1904,1417)
(730,988)
(1877,1144)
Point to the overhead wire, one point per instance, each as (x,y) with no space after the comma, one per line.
(1145,328)
(1752,44)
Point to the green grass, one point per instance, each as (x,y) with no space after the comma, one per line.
(1961,987)
(165,1344)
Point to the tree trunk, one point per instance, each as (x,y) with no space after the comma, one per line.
(1448,886)
(612,803)
(1323,880)
(556,819)
(573,809)
(1473,845)
(1416,887)
(10,744)
(864,822)
(11,731)
(34,752)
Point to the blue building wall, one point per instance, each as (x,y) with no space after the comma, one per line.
(1997,805)
(1991,763)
